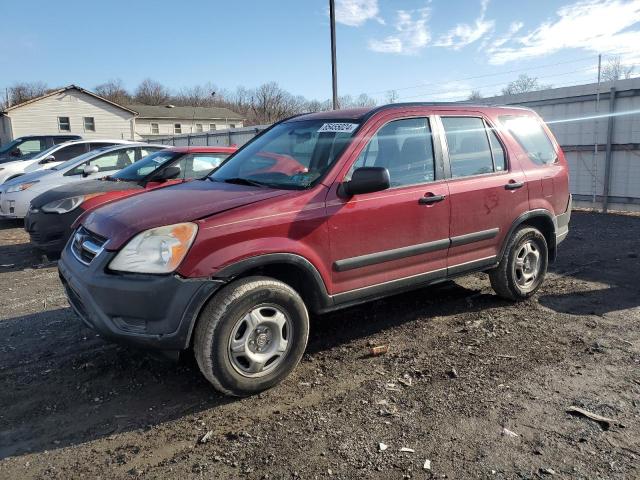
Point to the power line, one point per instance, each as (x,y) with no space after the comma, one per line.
(505,72)
(608,53)
(433,92)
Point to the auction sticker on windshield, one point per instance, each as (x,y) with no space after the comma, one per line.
(338,127)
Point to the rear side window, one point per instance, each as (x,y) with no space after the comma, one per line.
(72,151)
(469,150)
(532,138)
(199,165)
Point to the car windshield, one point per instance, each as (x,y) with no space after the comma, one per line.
(80,158)
(292,155)
(142,168)
(10,146)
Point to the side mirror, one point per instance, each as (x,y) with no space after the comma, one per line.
(167,173)
(15,153)
(89,170)
(366,180)
(49,159)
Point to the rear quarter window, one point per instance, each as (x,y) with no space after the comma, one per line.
(529,133)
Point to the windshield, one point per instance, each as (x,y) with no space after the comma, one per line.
(79,159)
(292,155)
(10,146)
(142,168)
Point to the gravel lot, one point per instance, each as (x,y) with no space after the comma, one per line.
(478,386)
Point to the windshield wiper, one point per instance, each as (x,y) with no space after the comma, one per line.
(243,181)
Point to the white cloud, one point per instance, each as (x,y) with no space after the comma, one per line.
(464,34)
(412,34)
(514,28)
(355,13)
(597,26)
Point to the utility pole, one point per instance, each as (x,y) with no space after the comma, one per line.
(334,69)
(594,182)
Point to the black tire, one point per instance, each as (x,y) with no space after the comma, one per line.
(505,280)
(220,319)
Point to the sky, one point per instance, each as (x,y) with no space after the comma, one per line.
(424,50)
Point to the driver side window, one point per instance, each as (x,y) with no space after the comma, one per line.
(405,148)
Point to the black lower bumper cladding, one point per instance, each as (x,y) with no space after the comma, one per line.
(151,311)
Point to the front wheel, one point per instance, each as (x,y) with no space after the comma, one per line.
(523,266)
(251,335)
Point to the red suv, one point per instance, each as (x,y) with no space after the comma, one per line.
(319,212)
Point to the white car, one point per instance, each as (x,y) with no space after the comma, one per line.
(53,156)
(16,194)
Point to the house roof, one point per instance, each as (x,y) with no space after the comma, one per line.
(61,90)
(184,113)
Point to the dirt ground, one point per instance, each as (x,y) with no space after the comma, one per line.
(477,386)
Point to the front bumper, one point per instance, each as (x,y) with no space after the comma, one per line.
(50,231)
(152,311)
(12,206)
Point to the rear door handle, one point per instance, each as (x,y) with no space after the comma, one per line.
(429,199)
(514,185)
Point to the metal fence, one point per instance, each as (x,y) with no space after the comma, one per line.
(598,127)
(234,136)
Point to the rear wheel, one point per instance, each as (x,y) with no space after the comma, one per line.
(251,335)
(523,266)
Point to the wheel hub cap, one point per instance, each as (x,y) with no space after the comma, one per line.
(259,341)
(527,264)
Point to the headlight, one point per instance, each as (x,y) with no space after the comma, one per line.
(65,205)
(20,187)
(159,250)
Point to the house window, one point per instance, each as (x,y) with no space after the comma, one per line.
(177,128)
(232,125)
(198,127)
(155,129)
(89,124)
(212,126)
(64,124)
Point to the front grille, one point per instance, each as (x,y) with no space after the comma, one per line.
(86,245)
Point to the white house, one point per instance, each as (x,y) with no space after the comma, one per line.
(164,120)
(68,110)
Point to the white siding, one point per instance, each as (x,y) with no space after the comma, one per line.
(143,126)
(41,117)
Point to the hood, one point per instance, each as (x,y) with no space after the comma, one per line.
(121,220)
(28,177)
(81,188)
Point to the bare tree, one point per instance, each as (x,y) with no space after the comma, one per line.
(475,95)
(616,70)
(523,84)
(151,92)
(392,96)
(197,96)
(23,91)
(114,91)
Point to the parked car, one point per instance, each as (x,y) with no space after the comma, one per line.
(23,148)
(320,212)
(53,156)
(16,194)
(51,214)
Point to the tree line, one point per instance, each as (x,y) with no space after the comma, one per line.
(265,104)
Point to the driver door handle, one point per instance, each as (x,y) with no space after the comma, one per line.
(430,199)
(512,185)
